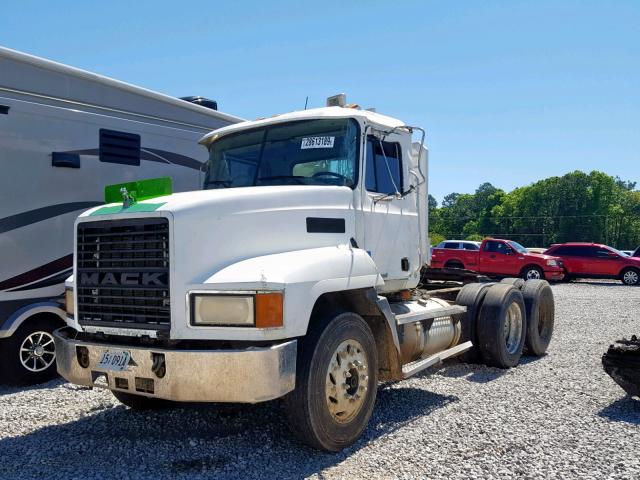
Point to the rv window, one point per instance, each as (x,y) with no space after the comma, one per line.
(119,147)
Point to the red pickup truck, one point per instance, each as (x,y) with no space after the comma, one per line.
(497,257)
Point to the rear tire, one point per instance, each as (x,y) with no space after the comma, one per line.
(329,410)
(139,402)
(540,308)
(471,296)
(630,276)
(455,265)
(532,272)
(28,356)
(502,326)
(516,282)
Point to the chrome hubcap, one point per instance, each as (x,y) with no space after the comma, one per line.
(37,352)
(346,383)
(631,277)
(533,275)
(513,328)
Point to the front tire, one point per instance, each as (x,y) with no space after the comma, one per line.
(630,276)
(532,272)
(336,383)
(28,357)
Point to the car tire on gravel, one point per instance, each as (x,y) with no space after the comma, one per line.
(140,402)
(532,272)
(516,282)
(540,309)
(471,296)
(336,383)
(630,276)
(28,356)
(502,326)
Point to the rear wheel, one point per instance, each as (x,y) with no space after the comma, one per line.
(502,326)
(336,382)
(454,264)
(540,310)
(471,296)
(516,282)
(139,402)
(28,357)
(532,272)
(630,276)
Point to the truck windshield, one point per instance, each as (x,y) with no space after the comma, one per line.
(517,247)
(305,152)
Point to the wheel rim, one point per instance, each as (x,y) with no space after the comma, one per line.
(346,383)
(513,328)
(37,352)
(631,277)
(533,274)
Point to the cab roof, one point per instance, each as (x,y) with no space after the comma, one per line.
(379,120)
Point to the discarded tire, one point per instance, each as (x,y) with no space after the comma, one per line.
(540,309)
(516,282)
(471,296)
(622,363)
(502,325)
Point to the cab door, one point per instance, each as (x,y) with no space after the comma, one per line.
(390,220)
(497,257)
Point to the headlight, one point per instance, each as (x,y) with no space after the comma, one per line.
(260,310)
(68,301)
(235,310)
(552,263)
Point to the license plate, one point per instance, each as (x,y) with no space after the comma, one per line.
(115,360)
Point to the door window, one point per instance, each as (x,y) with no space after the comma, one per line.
(383,167)
(452,245)
(496,247)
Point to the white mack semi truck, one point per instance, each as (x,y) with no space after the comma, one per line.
(293,274)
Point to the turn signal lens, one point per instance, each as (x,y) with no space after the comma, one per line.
(269,310)
(68,302)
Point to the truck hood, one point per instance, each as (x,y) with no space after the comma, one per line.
(542,257)
(212,229)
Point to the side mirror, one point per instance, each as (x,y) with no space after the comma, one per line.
(509,251)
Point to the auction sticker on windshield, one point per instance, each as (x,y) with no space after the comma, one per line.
(317,142)
(115,360)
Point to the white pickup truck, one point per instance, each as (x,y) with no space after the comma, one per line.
(293,274)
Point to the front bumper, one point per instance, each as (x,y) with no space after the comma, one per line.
(554,274)
(251,375)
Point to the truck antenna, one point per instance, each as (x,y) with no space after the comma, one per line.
(306,102)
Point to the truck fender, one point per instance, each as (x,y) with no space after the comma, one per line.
(305,275)
(11,324)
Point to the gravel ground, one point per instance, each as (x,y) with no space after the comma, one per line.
(559,416)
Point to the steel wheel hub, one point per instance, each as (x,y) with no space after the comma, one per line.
(346,383)
(513,328)
(37,352)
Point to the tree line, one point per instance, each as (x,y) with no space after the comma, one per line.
(576,207)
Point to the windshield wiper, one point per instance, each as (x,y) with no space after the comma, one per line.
(284,177)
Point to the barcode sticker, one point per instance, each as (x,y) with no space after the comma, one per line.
(317,142)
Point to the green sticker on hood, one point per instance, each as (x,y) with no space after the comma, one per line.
(135,208)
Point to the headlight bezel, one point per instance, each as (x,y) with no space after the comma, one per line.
(552,262)
(263,318)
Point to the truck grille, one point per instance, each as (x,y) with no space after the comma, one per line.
(123,274)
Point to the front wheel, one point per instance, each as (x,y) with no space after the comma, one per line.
(532,272)
(336,382)
(630,276)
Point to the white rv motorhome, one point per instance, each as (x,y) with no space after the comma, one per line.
(64,134)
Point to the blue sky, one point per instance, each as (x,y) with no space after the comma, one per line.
(509,91)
